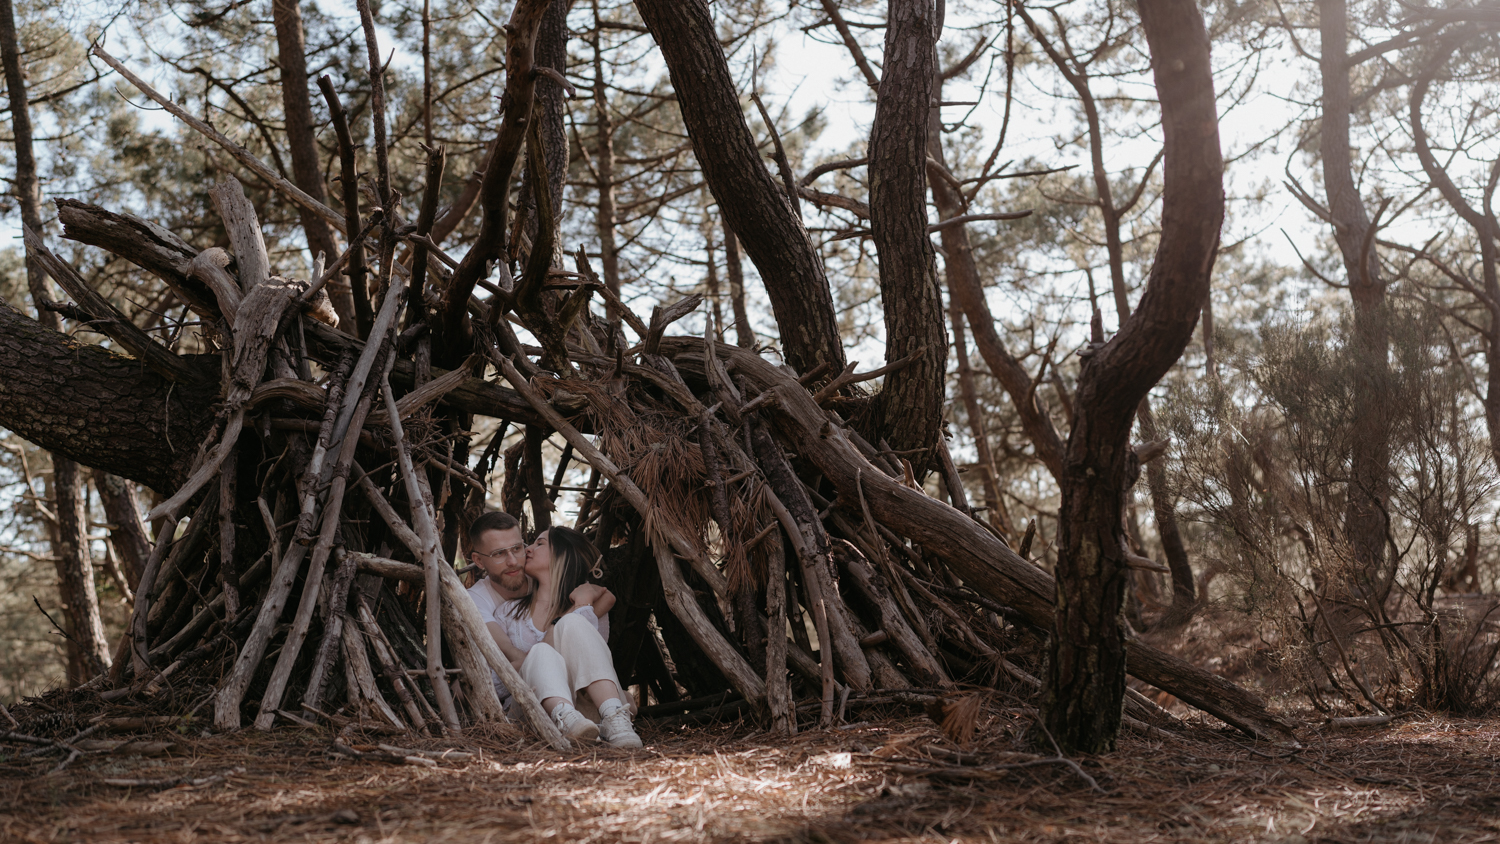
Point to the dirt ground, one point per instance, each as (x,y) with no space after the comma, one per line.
(901,779)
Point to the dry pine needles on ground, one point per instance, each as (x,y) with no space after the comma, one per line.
(881,780)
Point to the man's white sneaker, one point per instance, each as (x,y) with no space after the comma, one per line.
(617,730)
(573,724)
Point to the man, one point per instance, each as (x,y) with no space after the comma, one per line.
(498,549)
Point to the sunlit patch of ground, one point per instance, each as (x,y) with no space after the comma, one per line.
(1432,780)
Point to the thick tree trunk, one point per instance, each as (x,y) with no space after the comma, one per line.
(1086,672)
(307,170)
(97,407)
(909,408)
(88,652)
(1366,523)
(752,201)
(551,52)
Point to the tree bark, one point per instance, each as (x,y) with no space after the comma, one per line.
(752,201)
(1366,523)
(551,52)
(94,406)
(1085,685)
(909,408)
(126,531)
(1184,588)
(994,504)
(75,572)
(604,169)
(307,171)
(88,652)
(744,335)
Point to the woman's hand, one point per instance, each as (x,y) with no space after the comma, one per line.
(593,595)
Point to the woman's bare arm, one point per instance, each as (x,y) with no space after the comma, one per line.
(593,595)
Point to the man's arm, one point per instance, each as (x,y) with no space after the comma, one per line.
(507,647)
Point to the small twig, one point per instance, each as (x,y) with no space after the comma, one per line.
(555,76)
(436,251)
(1060,758)
(814,373)
(768,399)
(456,755)
(296,719)
(172,782)
(11,735)
(64,745)
(66,762)
(66,634)
(848,377)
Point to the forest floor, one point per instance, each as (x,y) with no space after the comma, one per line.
(1426,779)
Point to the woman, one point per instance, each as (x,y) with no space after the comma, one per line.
(559,630)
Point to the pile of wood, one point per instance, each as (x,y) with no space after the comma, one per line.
(729,499)
(760,545)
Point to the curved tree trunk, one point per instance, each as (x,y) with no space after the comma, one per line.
(755,205)
(967,291)
(1486,231)
(1112,215)
(1085,684)
(909,408)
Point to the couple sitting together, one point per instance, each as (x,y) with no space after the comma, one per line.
(551,623)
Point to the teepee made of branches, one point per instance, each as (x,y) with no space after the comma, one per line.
(760,546)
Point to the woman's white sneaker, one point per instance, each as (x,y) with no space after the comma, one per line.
(616,729)
(573,724)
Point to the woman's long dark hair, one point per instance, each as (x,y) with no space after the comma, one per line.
(573,558)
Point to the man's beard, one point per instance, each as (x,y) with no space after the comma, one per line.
(512,581)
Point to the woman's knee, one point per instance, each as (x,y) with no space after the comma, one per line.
(542,657)
(572,621)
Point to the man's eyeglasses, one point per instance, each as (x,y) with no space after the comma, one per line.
(516,551)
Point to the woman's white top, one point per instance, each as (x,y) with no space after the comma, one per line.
(522,631)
